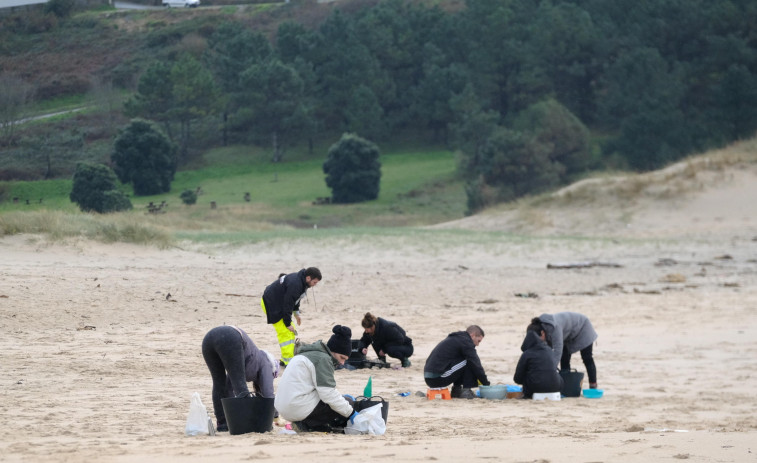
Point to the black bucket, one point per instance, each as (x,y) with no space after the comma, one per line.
(572,380)
(361,403)
(248,414)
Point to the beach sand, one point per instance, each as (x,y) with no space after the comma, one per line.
(99,362)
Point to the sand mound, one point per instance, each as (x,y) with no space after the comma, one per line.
(713,193)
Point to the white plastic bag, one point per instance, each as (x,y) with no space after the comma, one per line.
(198,419)
(368,421)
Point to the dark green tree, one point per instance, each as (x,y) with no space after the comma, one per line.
(231,49)
(571,54)
(154,98)
(273,95)
(431,106)
(364,113)
(511,164)
(60,8)
(145,157)
(353,170)
(194,96)
(737,94)
(342,63)
(567,139)
(188,197)
(471,131)
(95,189)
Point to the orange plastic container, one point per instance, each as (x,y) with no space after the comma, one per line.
(438,393)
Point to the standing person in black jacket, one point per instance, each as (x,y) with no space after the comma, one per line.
(455,361)
(280,300)
(387,337)
(536,370)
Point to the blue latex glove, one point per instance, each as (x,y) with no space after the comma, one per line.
(352,417)
(347,395)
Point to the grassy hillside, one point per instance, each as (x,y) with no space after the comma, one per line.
(417,188)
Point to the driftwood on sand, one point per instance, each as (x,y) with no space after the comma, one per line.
(588,264)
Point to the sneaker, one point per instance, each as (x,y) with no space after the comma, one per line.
(456,391)
(467,393)
(282,364)
(222,427)
(592,385)
(406,362)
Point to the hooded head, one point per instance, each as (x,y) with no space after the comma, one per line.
(274,363)
(341,340)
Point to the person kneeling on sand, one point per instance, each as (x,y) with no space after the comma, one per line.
(307,394)
(387,337)
(455,361)
(233,359)
(536,370)
(566,333)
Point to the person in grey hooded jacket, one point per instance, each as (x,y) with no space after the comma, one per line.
(567,333)
(233,359)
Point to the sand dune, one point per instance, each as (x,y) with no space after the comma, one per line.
(99,364)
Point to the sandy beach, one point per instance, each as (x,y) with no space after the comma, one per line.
(100,347)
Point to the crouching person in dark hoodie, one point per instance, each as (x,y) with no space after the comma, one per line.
(536,369)
(455,361)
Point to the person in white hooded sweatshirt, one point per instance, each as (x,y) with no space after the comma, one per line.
(307,394)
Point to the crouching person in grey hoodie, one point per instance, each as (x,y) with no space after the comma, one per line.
(307,394)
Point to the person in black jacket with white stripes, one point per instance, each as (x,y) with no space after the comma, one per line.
(455,361)
(387,338)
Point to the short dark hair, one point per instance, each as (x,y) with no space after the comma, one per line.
(475,329)
(313,273)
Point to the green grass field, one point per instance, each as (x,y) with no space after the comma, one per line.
(417,188)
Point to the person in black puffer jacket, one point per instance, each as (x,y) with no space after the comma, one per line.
(281,300)
(387,338)
(536,370)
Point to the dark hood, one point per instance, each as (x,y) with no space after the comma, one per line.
(530,341)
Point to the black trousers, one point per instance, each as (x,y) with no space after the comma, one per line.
(399,351)
(324,416)
(223,353)
(586,356)
(463,377)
